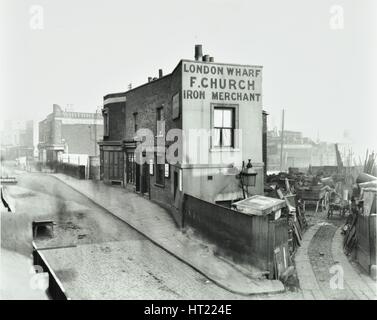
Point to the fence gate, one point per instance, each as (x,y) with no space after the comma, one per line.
(279,259)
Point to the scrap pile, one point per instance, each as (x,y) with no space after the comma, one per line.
(349,230)
(282,186)
(297,225)
(299,190)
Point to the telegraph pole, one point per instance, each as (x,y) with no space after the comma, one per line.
(282,141)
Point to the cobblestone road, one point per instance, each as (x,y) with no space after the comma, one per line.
(321,259)
(323,269)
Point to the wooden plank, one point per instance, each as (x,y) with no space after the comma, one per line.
(372,237)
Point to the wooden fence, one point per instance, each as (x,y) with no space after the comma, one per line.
(73,170)
(366,241)
(255,240)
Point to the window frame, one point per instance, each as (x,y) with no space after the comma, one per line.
(160,171)
(160,116)
(235,125)
(135,114)
(130,168)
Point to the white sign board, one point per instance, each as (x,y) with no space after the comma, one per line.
(220,82)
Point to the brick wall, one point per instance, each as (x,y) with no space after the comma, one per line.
(145,100)
(117,123)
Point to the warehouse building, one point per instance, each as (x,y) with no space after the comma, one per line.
(67,132)
(211,112)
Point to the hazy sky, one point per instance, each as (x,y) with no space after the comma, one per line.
(324,78)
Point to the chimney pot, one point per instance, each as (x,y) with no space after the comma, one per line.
(198,52)
(206,58)
(160,73)
(149,79)
(211,59)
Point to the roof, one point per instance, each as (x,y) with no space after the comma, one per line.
(123,94)
(259,205)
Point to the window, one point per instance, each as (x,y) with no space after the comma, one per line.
(180,180)
(159,121)
(135,121)
(105,113)
(223,124)
(131,168)
(167,170)
(151,167)
(160,169)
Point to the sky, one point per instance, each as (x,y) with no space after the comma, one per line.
(323,76)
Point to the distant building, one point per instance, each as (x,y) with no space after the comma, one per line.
(18,139)
(67,132)
(298,151)
(198,95)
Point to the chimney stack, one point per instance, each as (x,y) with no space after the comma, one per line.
(56,108)
(149,79)
(211,59)
(198,52)
(206,58)
(160,74)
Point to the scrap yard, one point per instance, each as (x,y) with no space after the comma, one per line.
(326,217)
(205,151)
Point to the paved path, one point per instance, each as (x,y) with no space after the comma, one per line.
(157,225)
(324,271)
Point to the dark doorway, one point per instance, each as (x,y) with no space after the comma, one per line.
(137,177)
(145,179)
(175,184)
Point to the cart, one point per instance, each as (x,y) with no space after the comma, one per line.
(317,195)
(337,204)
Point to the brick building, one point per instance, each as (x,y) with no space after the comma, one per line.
(218,103)
(66,132)
(111,147)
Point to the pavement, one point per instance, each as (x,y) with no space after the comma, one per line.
(324,271)
(156,224)
(18,278)
(94,254)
